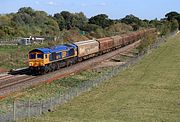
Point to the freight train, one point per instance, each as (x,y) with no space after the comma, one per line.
(44,60)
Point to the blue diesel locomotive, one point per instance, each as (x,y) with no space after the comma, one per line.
(43,60)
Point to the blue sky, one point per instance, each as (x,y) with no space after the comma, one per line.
(115,9)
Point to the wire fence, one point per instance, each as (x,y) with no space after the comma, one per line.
(28,109)
(13,41)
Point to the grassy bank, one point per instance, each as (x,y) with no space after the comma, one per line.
(148,91)
(15,56)
(46,91)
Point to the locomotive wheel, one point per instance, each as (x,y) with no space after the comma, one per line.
(80,59)
(46,69)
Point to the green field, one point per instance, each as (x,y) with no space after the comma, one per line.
(148,91)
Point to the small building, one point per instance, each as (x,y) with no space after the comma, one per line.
(30,40)
(25,41)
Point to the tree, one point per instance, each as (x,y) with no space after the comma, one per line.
(134,21)
(119,28)
(60,20)
(166,27)
(7,31)
(5,20)
(23,16)
(174,25)
(27,10)
(17,20)
(67,20)
(90,27)
(80,19)
(172,15)
(40,17)
(101,20)
(130,19)
(178,19)
(157,24)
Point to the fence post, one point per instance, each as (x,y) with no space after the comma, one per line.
(14,110)
(40,108)
(51,104)
(69,94)
(59,99)
(29,108)
(77,90)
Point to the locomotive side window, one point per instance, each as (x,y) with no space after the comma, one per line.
(40,56)
(71,52)
(46,55)
(32,56)
(59,55)
(53,56)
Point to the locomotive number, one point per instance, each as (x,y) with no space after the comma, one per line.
(63,54)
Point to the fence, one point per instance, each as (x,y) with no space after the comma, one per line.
(13,41)
(21,110)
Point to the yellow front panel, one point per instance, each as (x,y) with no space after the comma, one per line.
(36,63)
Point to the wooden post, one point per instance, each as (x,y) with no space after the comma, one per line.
(40,108)
(51,104)
(14,110)
(29,108)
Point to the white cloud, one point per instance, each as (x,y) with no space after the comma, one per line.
(51,3)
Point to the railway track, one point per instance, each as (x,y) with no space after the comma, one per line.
(14,80)
(17,81)
(6,76)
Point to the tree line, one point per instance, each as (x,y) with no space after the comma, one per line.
(28,21)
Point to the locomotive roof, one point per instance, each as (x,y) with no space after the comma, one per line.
(43,50)
(54,48)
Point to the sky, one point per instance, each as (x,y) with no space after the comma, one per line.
(115,9)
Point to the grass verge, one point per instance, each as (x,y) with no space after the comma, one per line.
(16,56)
(45,91)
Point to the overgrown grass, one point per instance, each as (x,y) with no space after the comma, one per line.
(148,91)
(15,56)
(46,91)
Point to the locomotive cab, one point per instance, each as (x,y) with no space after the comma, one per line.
(38,59)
